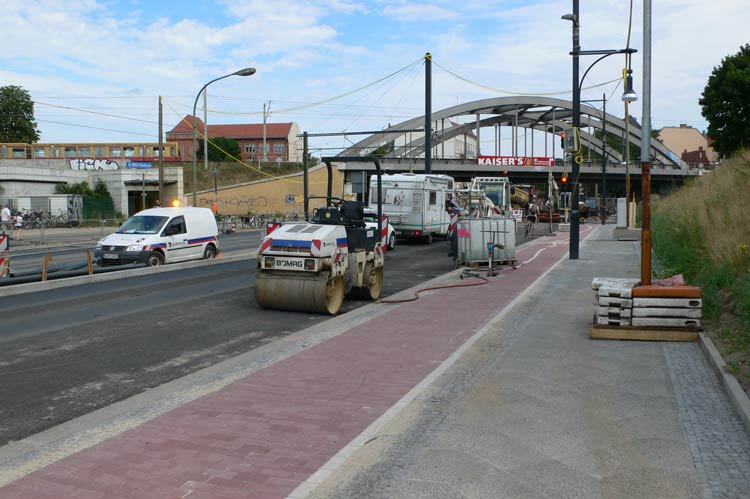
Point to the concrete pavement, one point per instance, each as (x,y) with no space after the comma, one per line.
(481,391)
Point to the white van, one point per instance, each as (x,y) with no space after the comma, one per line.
(161,235)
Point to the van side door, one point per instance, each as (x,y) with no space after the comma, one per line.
(176,238)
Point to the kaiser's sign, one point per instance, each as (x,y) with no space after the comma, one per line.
(515,161)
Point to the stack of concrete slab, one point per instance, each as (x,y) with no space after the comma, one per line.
(676,306)
(626,310)
(613,298)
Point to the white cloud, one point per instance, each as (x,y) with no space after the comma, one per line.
(311,50)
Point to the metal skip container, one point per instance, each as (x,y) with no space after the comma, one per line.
(475,235)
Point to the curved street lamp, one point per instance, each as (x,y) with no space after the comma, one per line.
(241,72)
(627,97)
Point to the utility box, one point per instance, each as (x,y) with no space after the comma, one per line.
(622,207)
(475,234)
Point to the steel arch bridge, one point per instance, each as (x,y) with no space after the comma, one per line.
(537,113)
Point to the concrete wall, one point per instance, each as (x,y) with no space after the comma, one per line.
(272,195)
(31,178)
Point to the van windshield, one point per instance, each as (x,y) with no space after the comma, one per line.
(142,225)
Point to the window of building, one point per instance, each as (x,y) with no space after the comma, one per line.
(70,152)
(40,152)
(278,148)
(129,152)
(250,148)
(84,152)
(19,153)
(115,152)
(100,152)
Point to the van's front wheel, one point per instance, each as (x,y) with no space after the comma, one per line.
(155,259)
(209,252)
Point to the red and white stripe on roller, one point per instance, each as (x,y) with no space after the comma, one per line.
(315,247)
(384,231)
(266,244)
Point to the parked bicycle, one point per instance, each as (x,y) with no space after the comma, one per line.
(65,219)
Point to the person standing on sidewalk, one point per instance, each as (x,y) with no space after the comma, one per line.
(19,226)
(5,219)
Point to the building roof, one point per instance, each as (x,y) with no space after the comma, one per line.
(246,131)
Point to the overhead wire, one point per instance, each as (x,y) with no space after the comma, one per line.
(95,112)
(499,91)
(95,128)
(231,156)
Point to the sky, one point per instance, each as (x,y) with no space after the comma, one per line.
(95,68)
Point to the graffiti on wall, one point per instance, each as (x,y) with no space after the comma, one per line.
(93,164)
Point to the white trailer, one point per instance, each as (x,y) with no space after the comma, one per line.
(415,204)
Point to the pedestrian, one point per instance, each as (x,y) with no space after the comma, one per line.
(19,226)
(157,204)
(5,225)
(532,213)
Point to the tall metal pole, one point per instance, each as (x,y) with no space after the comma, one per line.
(574,220)
(627,165)
(305,154)
(646,148)
(428,113)
(603,206)
(266,111)
(161,152)
(241,72)
(205,129)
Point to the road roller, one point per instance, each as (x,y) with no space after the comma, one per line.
(311,265)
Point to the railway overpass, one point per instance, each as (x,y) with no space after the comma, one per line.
(542,117)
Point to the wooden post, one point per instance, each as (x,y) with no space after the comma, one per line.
(90,261)
(45,264)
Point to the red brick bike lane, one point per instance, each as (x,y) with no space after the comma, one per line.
(264,435)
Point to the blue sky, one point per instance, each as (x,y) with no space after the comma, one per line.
(113,57)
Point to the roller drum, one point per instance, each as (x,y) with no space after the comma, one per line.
(299,292)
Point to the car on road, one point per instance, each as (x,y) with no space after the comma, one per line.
(371,221)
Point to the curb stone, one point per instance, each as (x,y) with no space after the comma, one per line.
(736,394)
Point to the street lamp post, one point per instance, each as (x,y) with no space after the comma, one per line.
(576,121)
(241,72)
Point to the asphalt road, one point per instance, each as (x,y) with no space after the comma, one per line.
(69,253)
(66,352)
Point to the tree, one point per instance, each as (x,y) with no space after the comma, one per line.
(80,188)
(17,116)
(726,103)
(220,149)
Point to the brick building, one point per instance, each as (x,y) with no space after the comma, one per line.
(693,147)
(282,141)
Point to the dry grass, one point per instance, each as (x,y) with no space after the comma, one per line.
(718,204)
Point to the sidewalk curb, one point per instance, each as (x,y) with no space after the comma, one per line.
(736,394)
